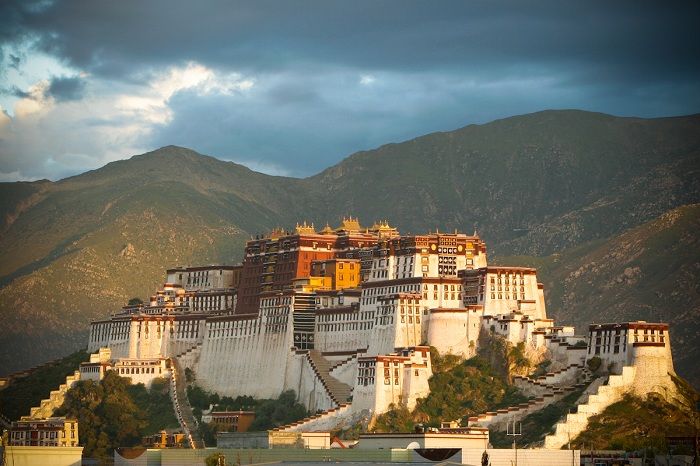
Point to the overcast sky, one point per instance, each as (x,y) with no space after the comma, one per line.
(292,87)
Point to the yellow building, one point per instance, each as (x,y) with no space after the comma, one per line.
(51,432)
(343,273)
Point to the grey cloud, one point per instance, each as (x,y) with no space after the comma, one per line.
(65,88)
(636,39)
(15,92)
(14,61)
(438,66)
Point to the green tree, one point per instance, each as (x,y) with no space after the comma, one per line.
(594,363)
(273,413)
(215,459)
(114,413)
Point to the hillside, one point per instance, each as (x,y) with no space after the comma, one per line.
(74,250)
(635,424)
(531,184)
(649,272)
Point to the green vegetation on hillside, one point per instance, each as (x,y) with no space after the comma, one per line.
(269,413)
(634,424)
(458,389)
(27,392)
(113,413)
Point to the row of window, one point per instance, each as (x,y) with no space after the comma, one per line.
(138,370)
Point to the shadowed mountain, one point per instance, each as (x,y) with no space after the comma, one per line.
(531,184)
(75,249)
(649,272)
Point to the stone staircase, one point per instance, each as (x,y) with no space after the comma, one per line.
(189,350)
(338,391)
(573,374)
(593,403)
(56,397)
(5,422)
(339,364)
(545,390)
(498,419)
(183,410)
(186,358)
(325,421)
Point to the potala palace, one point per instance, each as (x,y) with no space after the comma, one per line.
(345,317)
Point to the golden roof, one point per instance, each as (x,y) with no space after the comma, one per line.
(305,228)
(276,233)
(349,224)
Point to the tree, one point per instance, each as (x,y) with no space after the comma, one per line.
(215,459)
(274,413)
(135,301)
(594,363)
(115,413)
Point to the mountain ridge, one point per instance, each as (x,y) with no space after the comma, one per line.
(532,184)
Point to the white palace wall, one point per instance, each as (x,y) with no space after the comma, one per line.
(141,337)
(454,331)
(653,364)
(243,356)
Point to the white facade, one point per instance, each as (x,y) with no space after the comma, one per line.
(398,379)
(202,278)
(143,371)
(501,290)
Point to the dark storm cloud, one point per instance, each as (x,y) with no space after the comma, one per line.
(332,77)
(633,40)
(64,88)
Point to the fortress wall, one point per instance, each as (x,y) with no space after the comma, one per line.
(597,398)
(408,330)
(566,355)
(383,339)
(415,384)
(152,339)
(185,334)
(342,416)
(111,334)
(244,357)
(341,335)
(190,358)
(364,397)
(454,332)
(562,377)
(55,400)
(653,364)
(386,394)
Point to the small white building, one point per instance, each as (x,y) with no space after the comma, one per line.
(642,345)
(398,379)
(501,290)
(142,370)
(98,365)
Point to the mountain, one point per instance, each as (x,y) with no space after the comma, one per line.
(531,184)
(535,185)
(649,272)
